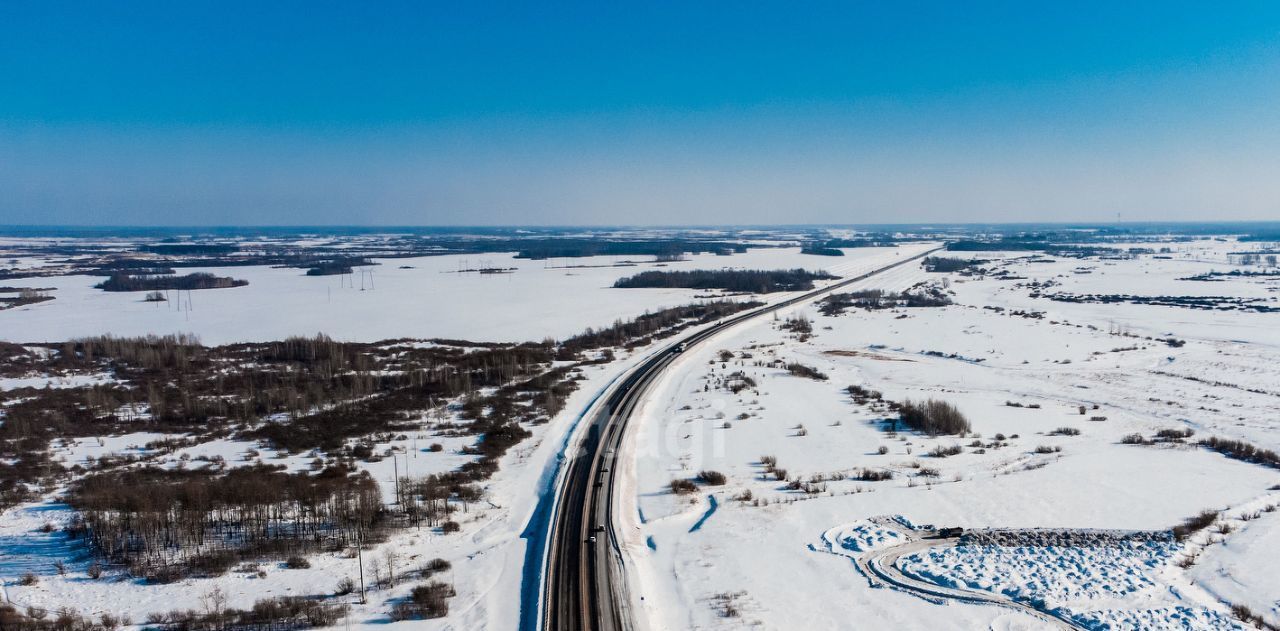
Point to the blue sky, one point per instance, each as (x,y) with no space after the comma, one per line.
(605,113)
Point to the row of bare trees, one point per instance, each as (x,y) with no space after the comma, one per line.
(162,524)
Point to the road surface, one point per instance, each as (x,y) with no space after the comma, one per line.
(583,588)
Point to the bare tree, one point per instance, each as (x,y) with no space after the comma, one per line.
(389,557)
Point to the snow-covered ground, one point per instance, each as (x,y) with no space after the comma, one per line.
(488,555)
(764,555)
(1117,586)
(782,557)
(414,297)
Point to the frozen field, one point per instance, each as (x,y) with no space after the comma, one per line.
(757,555)
(427,300)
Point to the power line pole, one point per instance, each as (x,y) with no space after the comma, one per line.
(360,558)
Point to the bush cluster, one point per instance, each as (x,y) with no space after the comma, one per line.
(809,372)
(933,417)
(681,486)
(1241,450)
(425,601)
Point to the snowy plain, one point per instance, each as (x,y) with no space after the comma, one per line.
(695,558)
(422,297)
(427,301)
(759,561)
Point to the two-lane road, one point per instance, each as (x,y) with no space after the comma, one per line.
(583,587)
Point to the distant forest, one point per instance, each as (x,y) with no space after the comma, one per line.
(941,264)
(883,242)
(185,249)
(874,299)
(663,249)
(1029,244)
(336,266)
(754,281)
(126,282)
(820,250)
(26,296)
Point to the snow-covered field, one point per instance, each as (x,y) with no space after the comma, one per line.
(488,555)
(770,550)
(1086,367)
(413,297)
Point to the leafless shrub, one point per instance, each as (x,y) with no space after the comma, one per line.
(345,586)
(1174,435)
(933,417)
(682,486)
(435,566)
(943,452)
(862,395)
(873,475)
(109,622)
(801,370)
(1194,524)
(1241,450)
(425,601)
(1247,616)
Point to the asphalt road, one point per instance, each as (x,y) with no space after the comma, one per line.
(583,587)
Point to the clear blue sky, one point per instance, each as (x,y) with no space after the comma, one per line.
(602,113)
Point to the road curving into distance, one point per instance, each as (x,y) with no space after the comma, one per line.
(582,579)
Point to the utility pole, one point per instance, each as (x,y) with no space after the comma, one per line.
(360,558)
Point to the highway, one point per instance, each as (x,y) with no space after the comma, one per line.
(583,588)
